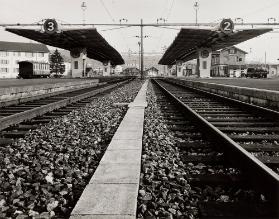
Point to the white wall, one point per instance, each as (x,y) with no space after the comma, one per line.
(11,58)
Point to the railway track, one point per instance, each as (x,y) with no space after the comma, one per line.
(17,120)
(238,141)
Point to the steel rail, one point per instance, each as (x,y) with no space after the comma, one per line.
(256,109)
(38,111)
(260,176)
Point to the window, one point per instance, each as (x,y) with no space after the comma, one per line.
(29,54)
(232,51)
(106,69)
(4,70)
(41,54)
(240,59)
(204,65)
(76,64)
(179,69)
(3,61)
(15,70)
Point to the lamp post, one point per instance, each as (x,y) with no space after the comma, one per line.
(83,8)
(196,7)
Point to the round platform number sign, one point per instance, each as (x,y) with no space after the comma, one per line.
(226,26)
(204,53)
(50,26)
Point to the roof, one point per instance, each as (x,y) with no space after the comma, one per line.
(22,47)
(152,68)
(96,46)
(186,43)
(236,49)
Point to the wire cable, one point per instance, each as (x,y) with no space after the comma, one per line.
(109,14)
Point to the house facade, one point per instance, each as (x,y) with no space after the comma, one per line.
(228,62)
(13,52)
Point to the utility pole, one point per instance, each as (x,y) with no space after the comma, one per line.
(141,44)
(139,56)
(196,6)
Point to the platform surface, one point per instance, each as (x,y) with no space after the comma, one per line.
(266,83)
(112,191)
(5,83)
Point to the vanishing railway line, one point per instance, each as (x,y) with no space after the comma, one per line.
(240,141)
(17,120)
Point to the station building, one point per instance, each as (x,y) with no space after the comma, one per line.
(228,62)
(152,72)
(13,52)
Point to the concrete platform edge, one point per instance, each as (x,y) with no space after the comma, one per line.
(113,189)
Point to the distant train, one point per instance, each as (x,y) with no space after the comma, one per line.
(256,73)
(30,69)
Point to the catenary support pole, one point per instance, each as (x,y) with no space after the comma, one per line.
(141,40)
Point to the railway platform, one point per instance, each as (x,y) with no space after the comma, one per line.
(264,93)
(14,91)
(112,191)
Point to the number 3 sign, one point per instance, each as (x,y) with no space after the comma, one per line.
(226,26)
(50,26)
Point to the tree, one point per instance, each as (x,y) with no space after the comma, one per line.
(56,63)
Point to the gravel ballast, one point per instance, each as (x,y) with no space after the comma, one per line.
(44,174)
(165,190)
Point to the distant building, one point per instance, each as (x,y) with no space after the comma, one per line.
(152,72)
(13,52)
(228,62)
(131,71)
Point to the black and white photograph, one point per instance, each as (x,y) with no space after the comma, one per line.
(139,109)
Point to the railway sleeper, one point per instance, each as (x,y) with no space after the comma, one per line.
(5,141)
(239,210)
(235,119)
(207,159)
(203,180)
(261,147)
(258,137)
(249,129)
(243,124)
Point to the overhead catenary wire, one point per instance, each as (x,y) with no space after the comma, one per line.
(113,20)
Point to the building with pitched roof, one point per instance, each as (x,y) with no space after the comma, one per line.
(13,52)
(228,62)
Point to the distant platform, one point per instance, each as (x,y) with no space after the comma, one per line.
(267,83)
(5,83)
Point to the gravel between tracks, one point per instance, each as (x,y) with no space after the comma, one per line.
(165,191)
(44,174)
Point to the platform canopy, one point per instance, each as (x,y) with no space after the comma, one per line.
(96,46)
(188,41)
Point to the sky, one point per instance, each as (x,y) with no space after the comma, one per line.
(111,11)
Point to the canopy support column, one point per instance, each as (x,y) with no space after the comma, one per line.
(78,63)
(106,68)
(204,62)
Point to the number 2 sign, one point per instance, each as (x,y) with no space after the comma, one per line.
(50,26)
(226,26)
